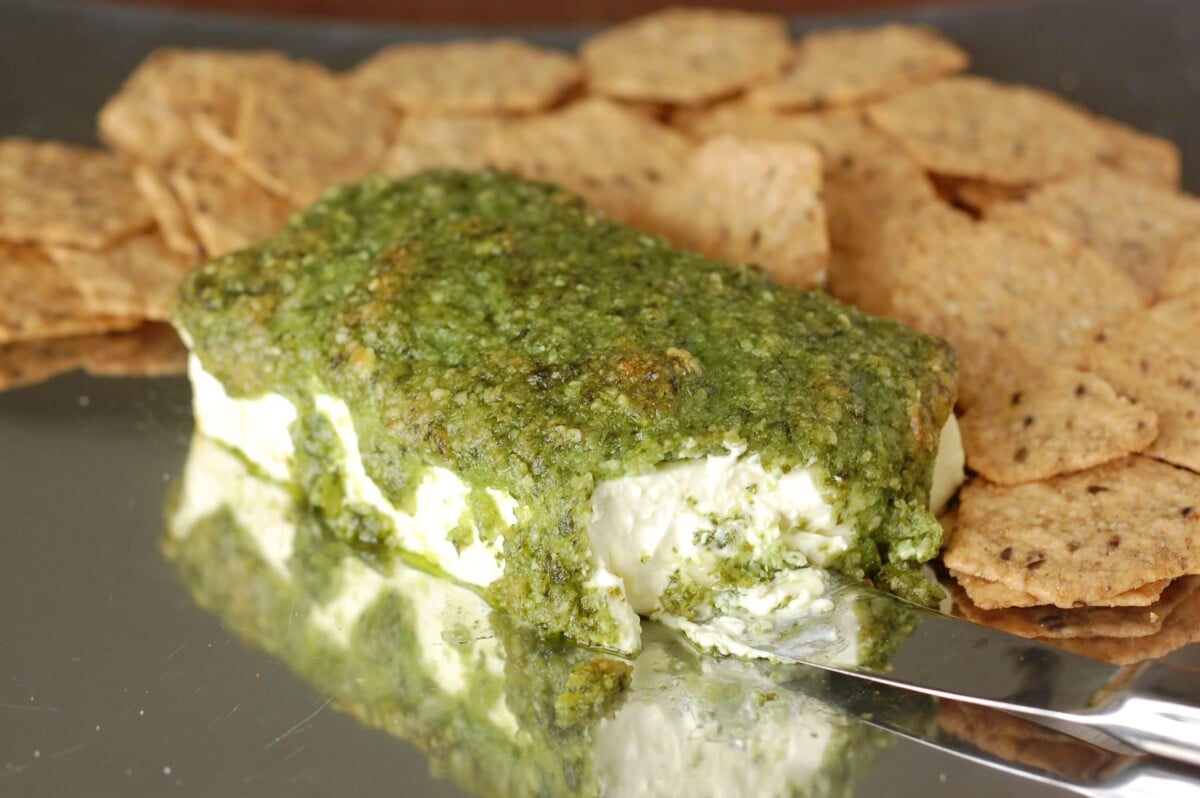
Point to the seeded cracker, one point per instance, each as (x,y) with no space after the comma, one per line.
(152,350)
(135,278)
(1136,225)
(749,202)
(444,141)
(975,196)
(1061,421)
(612,157)
(973,127)
(226,208)
(1154,357)
(1082,537)
(493,76)
(851,65)
(686,56)
(871,188)
(1180,628)
(1006,296)
(307,131)
(172,219)
(1055,623)
(993,595)
(60,194)
(1140,155)
(1184,274)
(37,300)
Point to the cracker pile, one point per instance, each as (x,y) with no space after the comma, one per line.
(1051,246)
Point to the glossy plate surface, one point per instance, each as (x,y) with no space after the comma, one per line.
(112,681)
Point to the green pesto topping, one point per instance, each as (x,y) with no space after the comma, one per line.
(503,330)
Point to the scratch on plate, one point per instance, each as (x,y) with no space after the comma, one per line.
(300,725)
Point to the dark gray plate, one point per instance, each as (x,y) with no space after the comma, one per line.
(111,681)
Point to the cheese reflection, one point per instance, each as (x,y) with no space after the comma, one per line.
(495,708)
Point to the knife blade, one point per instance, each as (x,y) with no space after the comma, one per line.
(1151,708)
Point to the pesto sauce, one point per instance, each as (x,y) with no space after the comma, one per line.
(503,330)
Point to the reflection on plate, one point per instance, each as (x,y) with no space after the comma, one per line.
(496,709)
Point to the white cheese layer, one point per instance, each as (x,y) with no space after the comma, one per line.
(645,530)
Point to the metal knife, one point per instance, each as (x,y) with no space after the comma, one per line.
(1151,708)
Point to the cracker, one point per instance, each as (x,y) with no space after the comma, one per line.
(976,128)
(1062,421)
(853,65)
(1154,357)
(502,75)
(612,157)
(226,208)
(136,278)
(152,350)
(61,194)
(686,56)
(1183,276)
(1082,537)
(30,362)
(871,188)
(749,202)
(152,117)
(304,131)
(1014,739)
(975,196)
(1053,623)
(168,212)
(993,595)
(1141,155)
(1007,296)
(38,300)
(1136,225)
(441,142)
(1180,628)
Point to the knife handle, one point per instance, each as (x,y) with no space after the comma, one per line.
(1159,712)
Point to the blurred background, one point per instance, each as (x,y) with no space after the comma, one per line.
(524,12)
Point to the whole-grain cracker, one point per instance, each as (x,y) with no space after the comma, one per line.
(993,595)
(1154,357)
(1062,420)
(968,126)
(1183,276)
(168,212)
(853,65)
(152,350)
(501,75)
(749,202)
(1007,296)
(1141,155)
(1180,628)
(1082,537)
(444,141)
(135,278)
(686,56)
(610,156)
(226,208)
(57,193)
(1135,225)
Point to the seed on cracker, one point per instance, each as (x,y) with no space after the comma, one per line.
(1007,296)
(1057,623)
(502,75)
(1181,627)
(444,141)
(749,202)
(135,278)
(686,56)
(226,208)
(39,300)
(988,595)
(305,131)
(61,194)
(1154,357)
(976,128)
(1061,421)
(1083,537)
(1136,225)
(612,157)
(1183,276)
(852,65)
